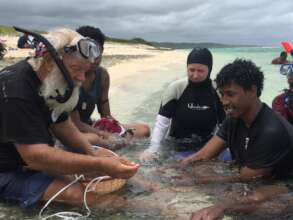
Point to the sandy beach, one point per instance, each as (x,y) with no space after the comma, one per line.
(122,60)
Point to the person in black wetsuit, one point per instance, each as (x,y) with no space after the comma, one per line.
(260,140)
(95,92)
(190,108)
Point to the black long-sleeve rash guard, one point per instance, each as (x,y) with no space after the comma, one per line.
(193,109)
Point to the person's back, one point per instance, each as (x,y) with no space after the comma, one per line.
(282,59)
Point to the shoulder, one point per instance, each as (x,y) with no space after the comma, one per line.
(19,80)
(279,98)
(104,73)
(273,124)
(174,90)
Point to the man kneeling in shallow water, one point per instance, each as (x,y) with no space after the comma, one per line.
(94,92)
(35,104)
(260,140)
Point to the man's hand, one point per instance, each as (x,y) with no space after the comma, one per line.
(118,167)
(210,213)
(188,160)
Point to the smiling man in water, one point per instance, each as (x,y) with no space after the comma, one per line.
(260,140)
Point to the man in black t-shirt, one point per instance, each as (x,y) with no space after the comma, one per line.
(32,109)
(260,140)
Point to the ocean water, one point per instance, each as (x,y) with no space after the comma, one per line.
(139,98)
(161,191)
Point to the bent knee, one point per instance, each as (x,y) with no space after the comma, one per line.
(145,130)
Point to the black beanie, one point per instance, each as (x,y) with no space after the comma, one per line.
(201,56)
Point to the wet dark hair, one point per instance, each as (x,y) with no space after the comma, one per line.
(283,53)
(2,50)
(242,72)
(93,33)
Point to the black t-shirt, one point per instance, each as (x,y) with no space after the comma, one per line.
(24,117)
(194,109)
(89,99)
(267,143)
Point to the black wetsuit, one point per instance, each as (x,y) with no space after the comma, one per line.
(195,110)
(89,99)
(267,143)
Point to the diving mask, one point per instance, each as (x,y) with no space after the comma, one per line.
(86,47)
(286,69)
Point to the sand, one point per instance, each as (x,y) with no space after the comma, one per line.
(130,58)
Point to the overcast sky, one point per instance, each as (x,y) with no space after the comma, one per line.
(261,22)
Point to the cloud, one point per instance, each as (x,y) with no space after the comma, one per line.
(227,21)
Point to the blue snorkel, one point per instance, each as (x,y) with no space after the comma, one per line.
(58,60)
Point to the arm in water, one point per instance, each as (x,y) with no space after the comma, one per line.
(243,204)
(209,151)
(160,130)
(70,136)
(212,148)
(43,157)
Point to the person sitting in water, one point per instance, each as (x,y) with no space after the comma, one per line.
(260,140)
(282,59)
(283,103)
(95,92)
(24,42)
(190,108)
(33,107)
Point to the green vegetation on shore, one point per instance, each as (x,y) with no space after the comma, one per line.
(9,30)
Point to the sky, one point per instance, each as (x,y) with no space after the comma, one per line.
(253,22)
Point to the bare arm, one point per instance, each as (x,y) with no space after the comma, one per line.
(104,108)
(212,148)
(94,136)
(58,162)
(244,204)
(70,136)
(246,174)
(83,127)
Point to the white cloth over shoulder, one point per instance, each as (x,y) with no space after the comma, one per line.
(160,130)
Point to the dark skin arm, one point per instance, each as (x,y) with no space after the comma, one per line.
(70,136)
(100,137)
(244,204)
(104,108)
(210,150)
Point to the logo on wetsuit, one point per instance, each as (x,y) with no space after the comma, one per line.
(197,107)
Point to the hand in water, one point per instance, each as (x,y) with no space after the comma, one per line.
(210,213)
(116,142)
(148,156)
(188,160)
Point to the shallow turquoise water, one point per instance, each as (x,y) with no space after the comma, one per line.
(138,100)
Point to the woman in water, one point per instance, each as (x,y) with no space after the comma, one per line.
(190,109)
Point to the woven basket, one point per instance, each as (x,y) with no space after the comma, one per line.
(107,185)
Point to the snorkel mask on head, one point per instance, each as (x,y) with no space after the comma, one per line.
(286,69)
(87,48)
